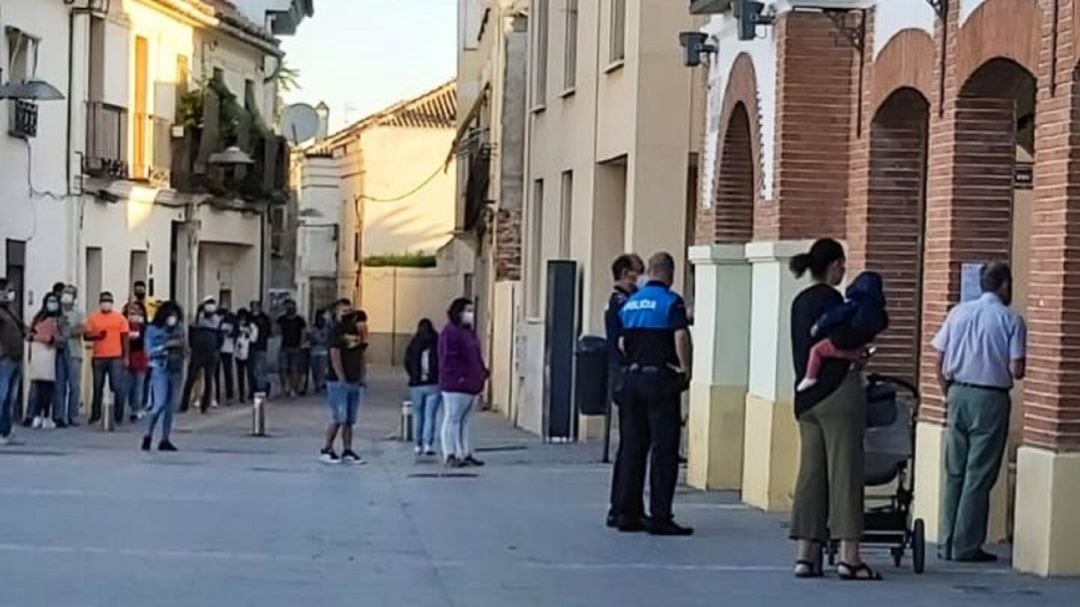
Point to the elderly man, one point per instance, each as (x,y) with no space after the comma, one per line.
(981,351)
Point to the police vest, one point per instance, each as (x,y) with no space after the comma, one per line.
(649,308)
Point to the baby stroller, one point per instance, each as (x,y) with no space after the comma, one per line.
(890,452)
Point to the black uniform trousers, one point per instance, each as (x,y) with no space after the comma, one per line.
(615,392)
(651,422)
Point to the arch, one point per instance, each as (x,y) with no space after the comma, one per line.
(735,181)
(893,229)
(903,63)
(1008,29)
(741,90)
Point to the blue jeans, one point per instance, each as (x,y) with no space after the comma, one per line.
(425,411)
(68,395)
(113,368)
(344,399)
(165,388)
(455,428)
(9,381)
(136,382)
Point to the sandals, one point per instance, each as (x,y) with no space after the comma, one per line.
(808,569)
(859,573)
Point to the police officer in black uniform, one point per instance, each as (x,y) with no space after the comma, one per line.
(656,343)
(626,269)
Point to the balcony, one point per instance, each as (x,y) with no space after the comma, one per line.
(24,119)
(213,121)
(152,157)
(106,141)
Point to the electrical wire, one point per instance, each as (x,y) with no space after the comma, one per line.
(422,185)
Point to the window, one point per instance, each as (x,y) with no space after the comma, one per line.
(618,31)
(141,156)
(540,59)
(219,75)
(22,54)
(565,209)
(535,247)
(570,52)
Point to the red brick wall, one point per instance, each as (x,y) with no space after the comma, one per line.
(1052,389)
(507,244)
(814,126)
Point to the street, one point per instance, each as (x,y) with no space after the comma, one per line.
(241,521)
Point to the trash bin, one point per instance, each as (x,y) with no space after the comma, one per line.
(591,375)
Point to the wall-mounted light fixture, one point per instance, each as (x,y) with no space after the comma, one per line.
(695,44)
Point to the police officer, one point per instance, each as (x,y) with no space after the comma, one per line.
(626,269)
(656,343)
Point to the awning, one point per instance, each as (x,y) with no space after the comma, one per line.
(466,123)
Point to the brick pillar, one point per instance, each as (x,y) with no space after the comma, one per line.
(1048,464)
(814,127)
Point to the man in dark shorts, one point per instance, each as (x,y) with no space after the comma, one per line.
(292,327)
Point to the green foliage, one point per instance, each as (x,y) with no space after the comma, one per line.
(401,260)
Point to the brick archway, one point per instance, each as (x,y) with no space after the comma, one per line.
(1007,29)
(904,63)
(738,177)
(893,231)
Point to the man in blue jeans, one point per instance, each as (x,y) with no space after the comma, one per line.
(11,344)
(345,385)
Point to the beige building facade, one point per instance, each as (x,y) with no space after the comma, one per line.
(610,161)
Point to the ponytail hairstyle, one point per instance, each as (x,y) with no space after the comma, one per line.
(821,255)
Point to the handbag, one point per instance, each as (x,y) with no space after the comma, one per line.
(42,362)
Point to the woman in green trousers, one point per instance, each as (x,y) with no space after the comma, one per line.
(832,418)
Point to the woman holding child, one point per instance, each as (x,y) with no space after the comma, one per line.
(830,406)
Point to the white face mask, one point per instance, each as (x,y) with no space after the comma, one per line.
(210,308)
(135,318)
(467,318)
(106,306)
(67,299)
(171,321)
(7,296)
(52,306)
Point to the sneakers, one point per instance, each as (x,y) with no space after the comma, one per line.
(453,462)
(38,423)
(350,457)
(806,384)
(429,451)
(48,424)
(146,443)
(165,445)
(327,456)
(418,450)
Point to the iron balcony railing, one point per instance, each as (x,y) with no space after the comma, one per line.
(106,141)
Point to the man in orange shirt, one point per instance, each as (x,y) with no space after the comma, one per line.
(108,331)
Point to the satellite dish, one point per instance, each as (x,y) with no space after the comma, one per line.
(299,123)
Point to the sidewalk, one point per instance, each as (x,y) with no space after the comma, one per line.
(233,520)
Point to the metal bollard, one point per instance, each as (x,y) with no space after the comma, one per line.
(258,414)
(406,420)
(108,421)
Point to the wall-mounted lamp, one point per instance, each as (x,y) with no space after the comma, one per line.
(695,44)
(30,90)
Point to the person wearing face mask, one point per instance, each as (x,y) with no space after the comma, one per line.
(108,331)
(44,331)
(69,356)
(165,348)
(627,270)
(462,375)
(138,362)
(12,333)
(204,339)
(246,335)
(292,327)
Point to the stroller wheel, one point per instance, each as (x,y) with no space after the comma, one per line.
(918,545)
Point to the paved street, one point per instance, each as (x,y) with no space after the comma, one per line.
(240,521)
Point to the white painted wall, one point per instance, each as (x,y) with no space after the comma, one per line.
(762,52)
(43,222)
(893,16)
(134,224)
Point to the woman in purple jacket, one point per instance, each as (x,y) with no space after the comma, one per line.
(461,379)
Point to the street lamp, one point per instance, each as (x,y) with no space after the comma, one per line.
(30,90)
